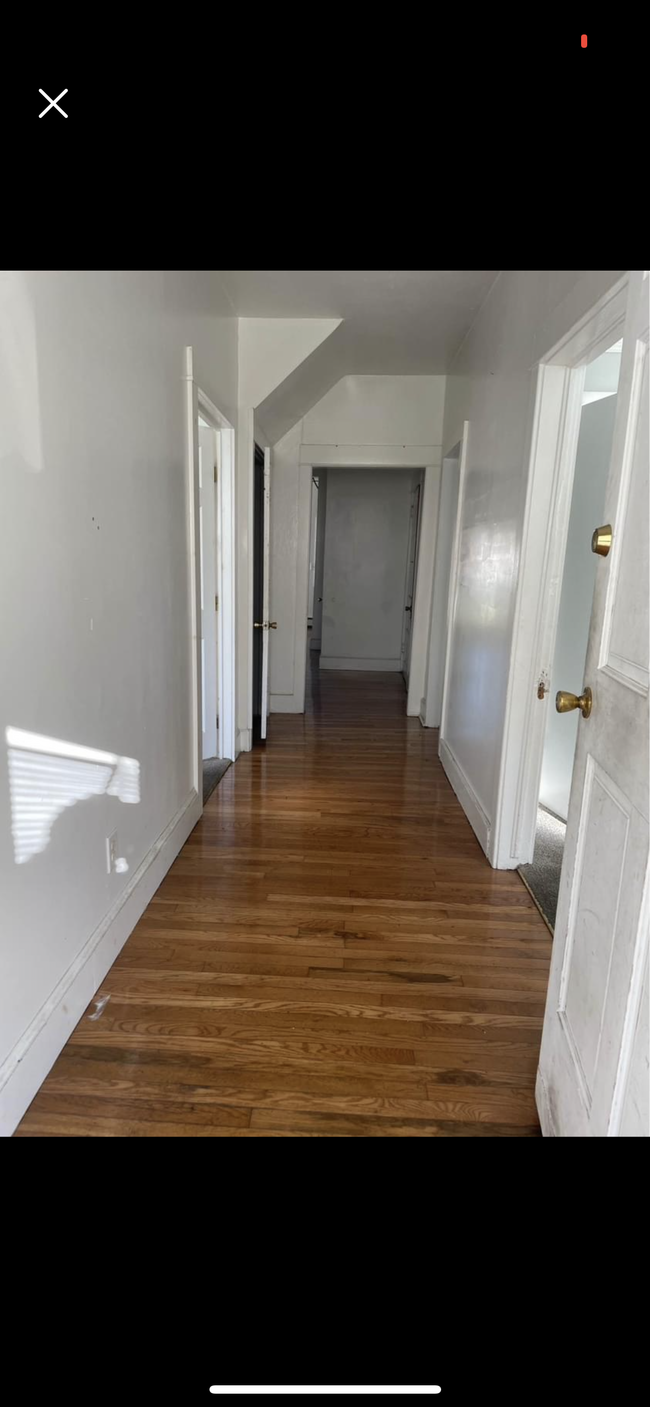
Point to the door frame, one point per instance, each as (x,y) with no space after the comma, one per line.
(198,403)
(317,459)
(260,579)
(452,594)
(210,557)
(554,442)
(417,492)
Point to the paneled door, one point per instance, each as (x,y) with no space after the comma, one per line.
(593,1069)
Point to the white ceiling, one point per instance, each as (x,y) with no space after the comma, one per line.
(400,322)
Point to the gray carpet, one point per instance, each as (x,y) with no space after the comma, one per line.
(213,770)
(542,876)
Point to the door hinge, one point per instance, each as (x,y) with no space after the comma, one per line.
(215,473)
(216,603)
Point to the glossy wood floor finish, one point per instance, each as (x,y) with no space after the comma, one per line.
(330,955)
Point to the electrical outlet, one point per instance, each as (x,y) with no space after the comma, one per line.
(111,853)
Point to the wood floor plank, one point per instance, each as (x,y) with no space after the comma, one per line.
(329,956)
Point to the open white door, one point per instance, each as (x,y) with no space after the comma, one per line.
(593,1070)
(266,538)
(209,602)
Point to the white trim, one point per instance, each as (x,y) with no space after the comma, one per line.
(453,576)
(474,810)
(194,566)
(303,536)
(227,634)
(556,426)
(554,438)
(247,614)
(266,581)
(23,1071)
(244,740)
(370,456)
(197,403)
(591,336)
(210,411)
(349,662)
(425,566)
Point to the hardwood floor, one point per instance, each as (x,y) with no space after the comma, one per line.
(330,955)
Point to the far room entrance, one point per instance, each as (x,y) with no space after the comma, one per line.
(364,544)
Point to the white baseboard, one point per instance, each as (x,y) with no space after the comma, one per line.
(244,740)
(342,662)
(25,1068)
(469,801)
(287,703)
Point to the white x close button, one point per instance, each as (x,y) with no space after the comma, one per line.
(53,102)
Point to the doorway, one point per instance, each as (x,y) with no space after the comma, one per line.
(258,590)
(211,501)
(365,562)
(442,576)
(557,417)
(261,584)
(411,569)
(593,454)
(208,476)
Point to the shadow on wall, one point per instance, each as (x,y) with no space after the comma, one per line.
(47,775)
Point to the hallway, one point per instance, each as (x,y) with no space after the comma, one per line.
(330,954)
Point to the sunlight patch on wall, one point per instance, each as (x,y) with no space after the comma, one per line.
(47,775)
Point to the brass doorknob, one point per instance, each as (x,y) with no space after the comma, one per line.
(601,540)
(565,703)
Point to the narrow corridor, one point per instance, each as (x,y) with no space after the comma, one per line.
(330,954)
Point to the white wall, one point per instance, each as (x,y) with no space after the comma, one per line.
(447,509)
(580,566)
(290,521)
(366,542)
(269,351)
(378,410)
(363,420)
(95,613)
(491,385)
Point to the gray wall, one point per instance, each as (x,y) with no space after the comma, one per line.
(366,539)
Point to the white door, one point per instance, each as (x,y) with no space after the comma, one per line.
(209,601)
(268,625)
(410,582)
(593,1070)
